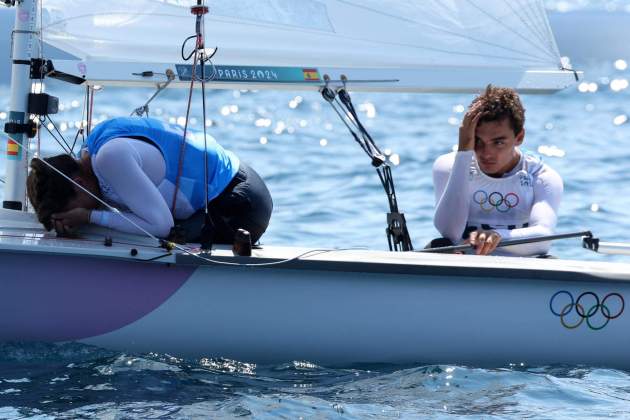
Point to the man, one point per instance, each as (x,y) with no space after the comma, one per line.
(489,190)
(137,166)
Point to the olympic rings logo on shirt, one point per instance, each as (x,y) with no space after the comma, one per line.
(599,306)
(496,200)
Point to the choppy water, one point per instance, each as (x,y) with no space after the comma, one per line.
(327,195)
(73,381)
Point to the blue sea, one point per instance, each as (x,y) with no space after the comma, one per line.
(326,194)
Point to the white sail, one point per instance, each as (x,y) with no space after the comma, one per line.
(391,45)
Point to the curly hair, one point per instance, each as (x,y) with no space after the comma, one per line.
(47,190)
(499,103)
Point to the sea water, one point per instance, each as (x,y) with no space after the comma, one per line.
(327,195)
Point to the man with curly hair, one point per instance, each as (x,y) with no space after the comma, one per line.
(489,190)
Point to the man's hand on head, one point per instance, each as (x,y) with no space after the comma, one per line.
(67,223)
(468,128)
(484,241)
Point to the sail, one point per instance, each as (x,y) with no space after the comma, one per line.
(379,45)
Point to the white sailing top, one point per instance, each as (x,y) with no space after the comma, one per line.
(522,204)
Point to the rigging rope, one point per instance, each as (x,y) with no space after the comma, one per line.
(397,234)
(199,58)
(182,147)
(144,109)
(62,143)
(90,109)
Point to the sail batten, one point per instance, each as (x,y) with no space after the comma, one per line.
(497,37)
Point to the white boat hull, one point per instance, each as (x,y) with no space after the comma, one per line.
(333,308)
(341,318)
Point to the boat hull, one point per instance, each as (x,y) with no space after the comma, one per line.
(337,312)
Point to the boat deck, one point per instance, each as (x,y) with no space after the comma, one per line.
(22,233)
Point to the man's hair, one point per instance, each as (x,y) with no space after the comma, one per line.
(47,190)
(499,103)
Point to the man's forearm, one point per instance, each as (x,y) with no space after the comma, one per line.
(536,248)
(452,209)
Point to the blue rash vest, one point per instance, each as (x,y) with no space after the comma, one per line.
(222,164)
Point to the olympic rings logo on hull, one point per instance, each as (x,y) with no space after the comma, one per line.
(496,200)
(598,315)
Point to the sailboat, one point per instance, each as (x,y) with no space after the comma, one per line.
(330,306)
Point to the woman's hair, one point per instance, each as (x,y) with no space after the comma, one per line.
(47,190)
(501,103)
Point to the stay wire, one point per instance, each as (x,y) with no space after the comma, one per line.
(353,119)
(386,186)
(344,98)
(352,132)
(59,132)
(63,144)
(348,112)
(90,110)
(85,113)
(182,147)
(345,103)
(76,137)
(365,140)
(203,101)
(81,129)
(205,134)
(194,54)
(387,180)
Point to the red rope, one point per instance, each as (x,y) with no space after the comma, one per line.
(199,11)
(182,147)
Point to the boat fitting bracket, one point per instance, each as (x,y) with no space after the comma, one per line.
(590,242)
(42,68)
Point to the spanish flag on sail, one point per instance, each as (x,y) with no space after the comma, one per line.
(311,75)
(13,149)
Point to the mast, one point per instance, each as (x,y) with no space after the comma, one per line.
(18,127)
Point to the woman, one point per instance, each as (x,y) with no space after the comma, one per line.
(136,165)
